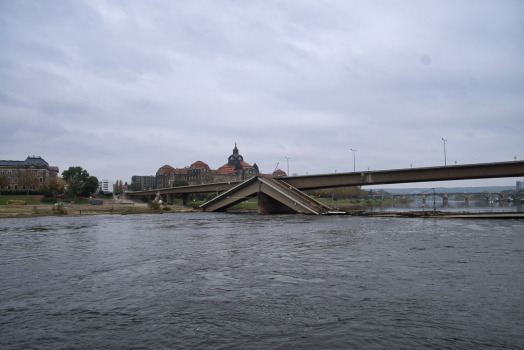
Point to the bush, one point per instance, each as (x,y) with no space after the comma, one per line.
(210,196)
(59,209)
(20,192)
(167,208)
(153,205)
(46,191)
(47,200)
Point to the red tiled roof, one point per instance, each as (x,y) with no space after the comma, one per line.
(244,166)
(225,170)
(166,168)
(181,171)
(199,165)
(278,172)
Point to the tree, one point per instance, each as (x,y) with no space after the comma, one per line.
(54,187)
(179,183)
(135,186)
(118,187)
(27,179)
(90,186)
(75,178)
(4,182)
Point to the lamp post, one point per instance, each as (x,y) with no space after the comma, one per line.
(287,165)
(444,151)
(354,150)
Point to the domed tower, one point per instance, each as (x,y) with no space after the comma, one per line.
(235,159)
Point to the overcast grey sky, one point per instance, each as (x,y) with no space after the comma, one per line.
(123,87)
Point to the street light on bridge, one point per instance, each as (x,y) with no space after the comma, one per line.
(444,151)
(354,150)
(287,165)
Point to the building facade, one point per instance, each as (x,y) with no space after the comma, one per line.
(200,173)
(29,174)
(106,186)
(146,182)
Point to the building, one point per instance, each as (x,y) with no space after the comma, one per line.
(146,182)
(106,186)
(29,174)
(519,185)
(201,173)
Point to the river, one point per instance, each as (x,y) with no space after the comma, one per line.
(478,206)
(248,281)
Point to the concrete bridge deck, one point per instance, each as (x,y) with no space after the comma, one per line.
(396,176)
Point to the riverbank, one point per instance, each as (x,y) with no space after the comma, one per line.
(109,206)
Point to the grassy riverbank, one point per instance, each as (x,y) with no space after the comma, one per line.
(38,206)
(81,206)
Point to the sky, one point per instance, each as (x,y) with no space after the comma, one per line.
(122,88)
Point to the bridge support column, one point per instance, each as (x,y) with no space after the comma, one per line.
(268,205)
(185,198)
(423,199)
(169,197)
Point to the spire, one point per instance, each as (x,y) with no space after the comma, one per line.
(235,145)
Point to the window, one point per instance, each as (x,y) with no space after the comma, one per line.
(8,173)
(16,187)
(16,180)
(41,180)
(16,173)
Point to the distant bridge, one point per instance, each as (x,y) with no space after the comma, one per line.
(276,200)
(466,196)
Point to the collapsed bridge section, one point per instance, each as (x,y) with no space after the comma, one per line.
(274,196)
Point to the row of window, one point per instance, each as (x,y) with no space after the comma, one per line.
(31,187)
(16,179)
(41,173)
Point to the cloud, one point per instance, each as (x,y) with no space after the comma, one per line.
(122,88)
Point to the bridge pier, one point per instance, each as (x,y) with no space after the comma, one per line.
(169,197)
(185,198)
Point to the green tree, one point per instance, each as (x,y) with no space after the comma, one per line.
(90,186)
(4,182)
(118,186)
(75,178)
(179,183)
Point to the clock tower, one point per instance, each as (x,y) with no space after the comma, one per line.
(235,159)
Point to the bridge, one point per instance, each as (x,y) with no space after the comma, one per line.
(284,194)
(466,196)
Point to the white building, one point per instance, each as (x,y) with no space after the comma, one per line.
(106,186)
